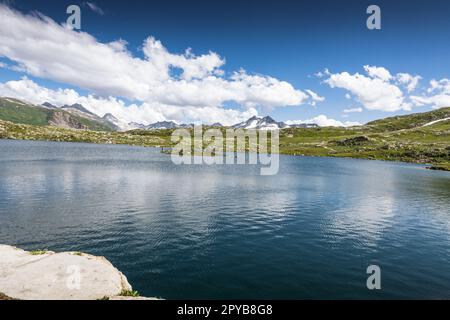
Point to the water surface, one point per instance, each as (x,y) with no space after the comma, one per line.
(227,232)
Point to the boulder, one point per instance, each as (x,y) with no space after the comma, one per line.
(355,141)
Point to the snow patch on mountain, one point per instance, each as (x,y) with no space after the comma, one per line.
(256,123)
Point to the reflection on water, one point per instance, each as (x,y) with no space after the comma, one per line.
(227,232)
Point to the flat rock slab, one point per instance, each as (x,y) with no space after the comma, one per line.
(58,276)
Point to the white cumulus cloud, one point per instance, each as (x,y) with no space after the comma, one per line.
(442,86)
(44,49)
(378,72)
(324,121)
(314,97)
(409,81)
(352,110)
(145,113)
(375,91)
(438,95)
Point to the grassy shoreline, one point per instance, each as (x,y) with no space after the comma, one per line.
(429,145)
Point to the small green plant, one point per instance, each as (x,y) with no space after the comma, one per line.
(38,252)
(105,298)
(77,253)
(129,293)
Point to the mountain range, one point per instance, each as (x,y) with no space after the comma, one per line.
(268,123)
(76,116)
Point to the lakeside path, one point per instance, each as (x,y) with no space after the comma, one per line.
(46,275)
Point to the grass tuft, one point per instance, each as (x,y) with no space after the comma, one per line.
(38,252)
(129,293)
(105,298)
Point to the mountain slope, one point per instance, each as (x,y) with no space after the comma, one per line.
(19,112)
(71,117)
(79,109)
(410,121)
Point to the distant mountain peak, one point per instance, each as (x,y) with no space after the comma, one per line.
(79,107)
(268,118)
(162,125)
(257,123)
(49,105)
(136,124)
(110,117)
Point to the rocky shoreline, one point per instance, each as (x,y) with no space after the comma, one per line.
(46,275)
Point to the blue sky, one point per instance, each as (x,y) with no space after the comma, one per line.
(288,40)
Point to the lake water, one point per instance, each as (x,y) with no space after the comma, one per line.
(227,232)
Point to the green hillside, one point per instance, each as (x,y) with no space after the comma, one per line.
(409,121)
(402,138)
(17,111)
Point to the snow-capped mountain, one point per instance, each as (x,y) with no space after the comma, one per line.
(121,124)
(109,117)
(256,123)
(266,123)
(135,125)
(126,126)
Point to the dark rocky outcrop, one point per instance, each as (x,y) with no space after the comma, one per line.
(355,141)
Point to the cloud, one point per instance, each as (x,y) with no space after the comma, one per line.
(44,49)
(27,90)
(409,81)
(94,8)
(378,72)
(436,101)
(315,98)
(442,86)
(438,95)
(322,74)
(324,121)
(376,91)
(351,110)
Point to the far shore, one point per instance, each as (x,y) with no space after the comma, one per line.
(412,138)
(166,150)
